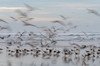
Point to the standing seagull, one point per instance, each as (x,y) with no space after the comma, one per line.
(93,12)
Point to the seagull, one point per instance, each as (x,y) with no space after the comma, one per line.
(86,34)
(72,26)
(2,28)
(30,8)
(8,36)
(22,33)
(20,38)
(45,37)
(51,33)
(28,24)
(29,19)
(1,20)
(54,29)
(81,38)
(22,14)
(58,21)
(75,44)
(33,34)
(32,45)
(93,12)
(13,18)
(63,17)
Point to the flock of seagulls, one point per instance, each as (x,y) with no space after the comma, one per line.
(23,17)
(46,41)
(75,54)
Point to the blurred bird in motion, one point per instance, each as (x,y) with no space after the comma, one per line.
(60,22)
(93,12)
(13,18)
(3,28)
(63,17)
(72,26)
(28,24)
(22,14)
(28,19)
(86,34)
(29,8)
(1,20)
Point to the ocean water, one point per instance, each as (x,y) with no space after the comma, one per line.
(63,41)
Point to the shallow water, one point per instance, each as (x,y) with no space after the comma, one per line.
(29,59)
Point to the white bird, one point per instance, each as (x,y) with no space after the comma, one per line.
(45,37)
(86,34)
(30,8)
(32,33)
(93,12)
(28,19)
(28,24)
(22,14)
(2,28)
(1,20)
(81,38)
(60,22)
(13,18)
(72,26)
(63,17)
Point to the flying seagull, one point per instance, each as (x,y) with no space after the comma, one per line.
(2,28)
(13,18)
(22,14)
(30,8)
(28,24)
(58,21)
(86,34)
(1,20)
(63,17)
(93,12)
(28,19)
